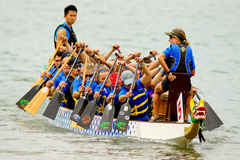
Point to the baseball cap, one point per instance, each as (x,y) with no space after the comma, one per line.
(174,33)
(65,54)
(70,62)
(127,77)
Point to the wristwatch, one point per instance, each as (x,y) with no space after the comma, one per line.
(168,72)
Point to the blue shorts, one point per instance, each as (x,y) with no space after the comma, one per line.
(166,82)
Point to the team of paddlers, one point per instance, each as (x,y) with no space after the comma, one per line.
(151,79)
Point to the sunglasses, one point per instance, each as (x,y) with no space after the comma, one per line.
(90,75)
(171,37)
(76,66)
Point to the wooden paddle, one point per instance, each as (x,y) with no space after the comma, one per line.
(23,102)
(108,114)
(82,102)
(125,111)
(53,107)
(40,80)
(212,120)
(38,99)
(50,64)
(52,58)
(88,114)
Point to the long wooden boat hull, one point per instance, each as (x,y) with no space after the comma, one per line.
(170,132)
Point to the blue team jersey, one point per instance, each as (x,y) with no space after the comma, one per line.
(138,102)
(116,100)
(77,83)
(102,101)
(58,79)
(51,70)
(65,89)
(93,86)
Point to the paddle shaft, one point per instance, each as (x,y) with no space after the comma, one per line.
(133,80)
(109,73)
(154,57)
(69,73)
(40,86)
(197,95)
(84,73)
(52,58)
(115,87)
(107,77)
(94,74)
(48,68)
(119,50)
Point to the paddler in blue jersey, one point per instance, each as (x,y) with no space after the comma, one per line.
(67,98)
(57,60)
(138,98)
(70,15)
(77,87)
(102,95)
(176,58)
(61,75)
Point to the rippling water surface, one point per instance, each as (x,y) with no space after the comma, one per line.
(26,43)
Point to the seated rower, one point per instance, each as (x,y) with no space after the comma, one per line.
(67,99)
(57,60)
(175,63)
(138,98)
(77,87)
(113,78)
(58,79)
(102,95)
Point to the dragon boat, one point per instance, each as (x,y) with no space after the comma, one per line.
(179,133)
(173,130)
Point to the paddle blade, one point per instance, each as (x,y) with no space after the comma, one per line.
(212,120)
(36,101)
(107,118)
(78,110)
(37,82)
(123,118)
(23,102)
(53,107)
(88,114)
(74,125)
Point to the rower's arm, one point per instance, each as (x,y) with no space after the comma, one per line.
(129,57)
(52,90)
(60,32)
(161,60)
(193,72)
(108,54)
(156,79)
(69,48)
(122,98)
(145,78)
(153,65)
(75,94)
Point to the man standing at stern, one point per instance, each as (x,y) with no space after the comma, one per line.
(70,15)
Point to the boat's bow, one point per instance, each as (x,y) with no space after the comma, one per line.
(198,116)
